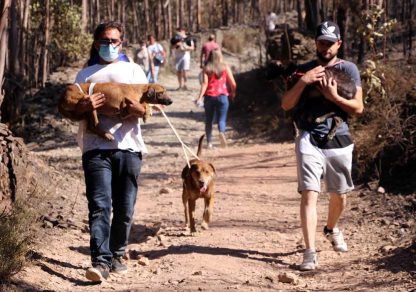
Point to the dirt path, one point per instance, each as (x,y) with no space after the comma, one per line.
(254,236)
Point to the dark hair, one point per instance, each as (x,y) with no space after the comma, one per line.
(102,27)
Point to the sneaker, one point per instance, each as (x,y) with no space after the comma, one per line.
(98,273)
(223,141)
(310,261)
(210,146)
(118,265)
(337,239)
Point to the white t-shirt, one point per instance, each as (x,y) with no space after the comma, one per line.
(155,49)
(127,133)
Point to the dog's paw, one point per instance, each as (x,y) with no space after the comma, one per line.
(204,225)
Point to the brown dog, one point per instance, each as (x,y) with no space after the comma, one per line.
(198,182)
(115,102)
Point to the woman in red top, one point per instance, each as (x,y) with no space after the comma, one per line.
(214,94)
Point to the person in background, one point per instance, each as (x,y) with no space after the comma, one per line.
(317,156)
(207,48)
(157,58)
(214,94)
(142,57)
(111,168)
(182,47)
(270,23)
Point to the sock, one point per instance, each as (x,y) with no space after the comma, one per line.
(327,230)
(310,250)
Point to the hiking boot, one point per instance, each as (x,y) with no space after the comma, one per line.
(310,261)
(223,141)
(336,238)
(118,265)
(98,273)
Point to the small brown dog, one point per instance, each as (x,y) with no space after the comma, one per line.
(198,182)
(115,95)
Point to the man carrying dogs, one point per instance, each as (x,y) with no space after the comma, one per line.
(316,155)
(111,167)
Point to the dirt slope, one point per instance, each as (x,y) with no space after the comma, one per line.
(255,233)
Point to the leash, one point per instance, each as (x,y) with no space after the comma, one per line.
(184,147)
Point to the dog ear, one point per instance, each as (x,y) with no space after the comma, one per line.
(151,93)
(185,172)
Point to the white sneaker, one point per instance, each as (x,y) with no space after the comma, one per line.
(310,261)
(223,140)
(337,240)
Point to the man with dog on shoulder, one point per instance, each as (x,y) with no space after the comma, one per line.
(317,156)
(111,168)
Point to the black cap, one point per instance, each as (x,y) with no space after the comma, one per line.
(328,31)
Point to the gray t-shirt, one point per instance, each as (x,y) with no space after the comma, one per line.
(317,107)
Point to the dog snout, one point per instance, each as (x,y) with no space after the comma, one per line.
(165,101)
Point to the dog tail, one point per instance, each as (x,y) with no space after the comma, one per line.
(200,145)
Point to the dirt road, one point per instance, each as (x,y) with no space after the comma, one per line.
(254,235)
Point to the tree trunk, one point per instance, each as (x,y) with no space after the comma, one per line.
(198,15)
(146,16)
(299,10)
(181,11)
(45,62)
(169,11)
(341,21)
(84,16)
(3,43)
(190,18)
(14,46)
(311,16)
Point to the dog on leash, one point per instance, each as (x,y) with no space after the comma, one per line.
(198,182)
(115,104)
(346,88)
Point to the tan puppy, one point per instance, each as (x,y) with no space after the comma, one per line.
(198,182)
(115,95)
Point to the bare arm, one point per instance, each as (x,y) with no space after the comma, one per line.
(291,97)
(354,106)
(231,81)
(204,86)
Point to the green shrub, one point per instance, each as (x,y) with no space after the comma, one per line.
(16,237)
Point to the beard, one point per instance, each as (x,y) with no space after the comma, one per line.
(323,58)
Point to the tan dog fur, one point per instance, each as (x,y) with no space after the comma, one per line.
(198,182)
(115,102)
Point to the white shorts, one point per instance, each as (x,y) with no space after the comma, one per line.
(183,64)
(333,165)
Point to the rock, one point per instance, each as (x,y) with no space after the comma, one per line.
(144,261)
(387,249)
(165,191)
(197,273)
(289,278)
(381,190)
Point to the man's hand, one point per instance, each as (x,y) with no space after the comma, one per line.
(90,102)
(313,75)
(134,108)
(328,88)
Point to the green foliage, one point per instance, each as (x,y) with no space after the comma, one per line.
(67,43)
(15,239)
(373,29)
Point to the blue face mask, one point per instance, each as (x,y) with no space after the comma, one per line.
(108,53)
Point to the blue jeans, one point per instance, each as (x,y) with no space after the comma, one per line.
(215,106)
(111,181)
(154,78)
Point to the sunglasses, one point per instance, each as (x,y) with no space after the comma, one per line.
(107,42)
